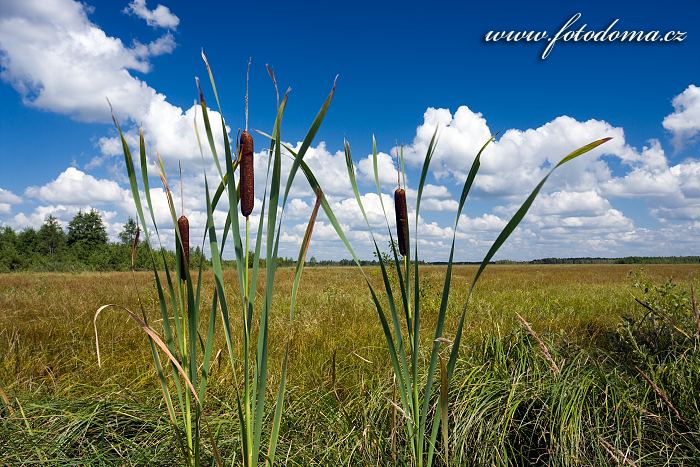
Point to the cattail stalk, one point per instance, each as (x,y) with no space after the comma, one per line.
(401,220)
(135,247)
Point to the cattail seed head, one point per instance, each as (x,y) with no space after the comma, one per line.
(247,174)
(401,220)
(183,226)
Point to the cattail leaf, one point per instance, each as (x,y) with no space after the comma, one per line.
(397,334)
(313,182)
(131,173)
(503,236)
(277,418)
(310,135)
(207,129)
(422,417)
(444,299)
(261,219)
(260,372)
(211,79)
(444,401)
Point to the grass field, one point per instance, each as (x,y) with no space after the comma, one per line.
(614,399)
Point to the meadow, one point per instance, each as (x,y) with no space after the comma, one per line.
(590,377)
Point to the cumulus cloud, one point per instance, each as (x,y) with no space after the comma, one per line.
(684,122)
(165,44)
(58,60)
(6,196)
(386,169)
(512,163)
(7,199)
(483,223)
(159,17)
(567,203)
(73,186)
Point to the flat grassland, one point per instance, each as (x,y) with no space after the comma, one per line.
(60,407)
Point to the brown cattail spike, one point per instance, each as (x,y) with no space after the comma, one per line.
(401,220)
(247,174)
(183,225)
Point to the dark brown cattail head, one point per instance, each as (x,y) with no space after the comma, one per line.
(247,175)
(183,225)
(401,220)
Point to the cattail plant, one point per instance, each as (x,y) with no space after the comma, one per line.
(251,400)
(187,339)
(423,414)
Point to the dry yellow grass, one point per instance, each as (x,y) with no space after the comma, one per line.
(47,339)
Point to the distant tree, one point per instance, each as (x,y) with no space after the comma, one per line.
(9,259)
(128,233)
(51,239)
(87,230)
(27,241)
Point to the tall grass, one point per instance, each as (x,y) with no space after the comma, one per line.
(187,338)
(421,416)
(506,403)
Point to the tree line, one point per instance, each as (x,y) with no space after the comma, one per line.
(83,246)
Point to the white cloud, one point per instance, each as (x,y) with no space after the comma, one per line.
(165,44)
(512,164)
(7,199)
(431,204)
(6,196)
(386,169)
(160,16)
(567,203)
(684,122)
(58,60)
(74,187)
(483,223)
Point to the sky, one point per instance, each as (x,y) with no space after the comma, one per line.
(404,70)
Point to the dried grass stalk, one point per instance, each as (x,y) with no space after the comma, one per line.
(543,347)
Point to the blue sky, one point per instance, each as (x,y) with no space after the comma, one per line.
(404,69)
